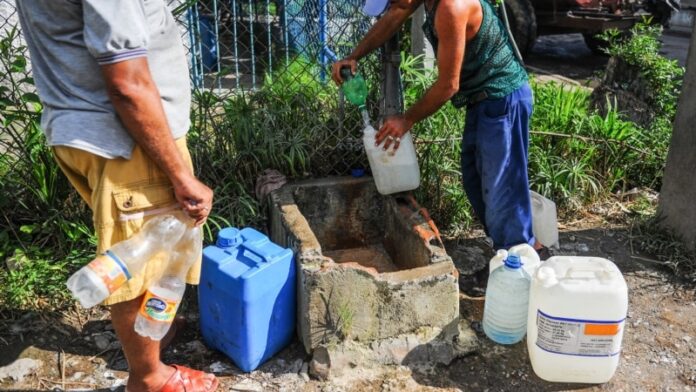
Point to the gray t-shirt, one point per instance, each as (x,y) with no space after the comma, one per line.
(68,40)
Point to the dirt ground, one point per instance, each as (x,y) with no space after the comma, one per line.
(77,349)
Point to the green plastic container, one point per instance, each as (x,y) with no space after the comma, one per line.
(354,87)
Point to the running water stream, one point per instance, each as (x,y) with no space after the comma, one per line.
(365,117)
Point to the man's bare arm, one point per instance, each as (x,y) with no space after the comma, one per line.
(138,104)
(378,34)
(450,22)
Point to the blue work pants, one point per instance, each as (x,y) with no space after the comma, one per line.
(494,166)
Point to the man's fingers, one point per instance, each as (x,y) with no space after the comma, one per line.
(389,140)
(335,74)
(397,143)
(382,134)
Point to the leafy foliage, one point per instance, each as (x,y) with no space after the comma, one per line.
(438,141)
(43,224)
(641,49)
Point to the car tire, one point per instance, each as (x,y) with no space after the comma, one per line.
(595,44)
(523,24)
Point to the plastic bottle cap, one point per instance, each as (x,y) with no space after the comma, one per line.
(357,172)
(346,73)
(228,237)
(513,261)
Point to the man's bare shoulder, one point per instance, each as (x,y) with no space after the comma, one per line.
(458,8)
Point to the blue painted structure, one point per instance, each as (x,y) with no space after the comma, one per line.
(244,39)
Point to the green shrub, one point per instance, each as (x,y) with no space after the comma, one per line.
(662,76)
(577,156)
(44,227)
(438,143)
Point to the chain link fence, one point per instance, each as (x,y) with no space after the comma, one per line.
(274,57)
(256,52)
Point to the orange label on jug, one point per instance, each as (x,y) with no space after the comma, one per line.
(109,271)
(158,309)
(601,329)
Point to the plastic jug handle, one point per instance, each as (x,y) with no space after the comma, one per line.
(261,253)
(580,273)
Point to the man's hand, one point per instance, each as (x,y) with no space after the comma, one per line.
(138,103)
(336,69)
(195,197)
(393,129)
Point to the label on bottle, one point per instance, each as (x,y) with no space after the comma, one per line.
(110,270)
(585,338)
(158,309)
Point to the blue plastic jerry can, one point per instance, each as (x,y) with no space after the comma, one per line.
(247,297)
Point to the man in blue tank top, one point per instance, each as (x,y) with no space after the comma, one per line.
(477,69)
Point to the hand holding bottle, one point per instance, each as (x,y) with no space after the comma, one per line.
(336,68)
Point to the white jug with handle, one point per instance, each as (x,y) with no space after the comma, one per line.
(576,319)
(544,220)
(529,257)
(393,171)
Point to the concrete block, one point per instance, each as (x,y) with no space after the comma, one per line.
(372,271)
(428,346)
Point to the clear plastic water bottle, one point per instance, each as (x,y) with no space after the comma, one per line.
(507,299)
(162,299)
(94,282)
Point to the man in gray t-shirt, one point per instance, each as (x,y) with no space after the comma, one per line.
(113,79)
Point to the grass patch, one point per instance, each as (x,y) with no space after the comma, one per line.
(45,231)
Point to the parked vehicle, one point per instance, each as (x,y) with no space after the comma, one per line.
(531,18)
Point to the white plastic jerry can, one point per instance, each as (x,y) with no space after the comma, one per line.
(576,318)
(544,220)
(393,171)
(530,258)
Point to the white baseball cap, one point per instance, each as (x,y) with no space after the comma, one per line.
(375,7)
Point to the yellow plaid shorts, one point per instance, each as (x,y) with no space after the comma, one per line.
(123,194)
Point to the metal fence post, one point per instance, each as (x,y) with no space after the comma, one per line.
(419,44)
(391,100)
(322,37)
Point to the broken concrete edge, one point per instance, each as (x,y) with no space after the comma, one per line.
(287,219)
(427,346)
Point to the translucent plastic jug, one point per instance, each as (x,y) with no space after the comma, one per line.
(529,257)
(544,220)
(577,311)
(393,171)
(505,307)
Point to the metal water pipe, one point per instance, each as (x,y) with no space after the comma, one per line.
(391,91)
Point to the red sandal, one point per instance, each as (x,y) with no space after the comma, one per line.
(188,380)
